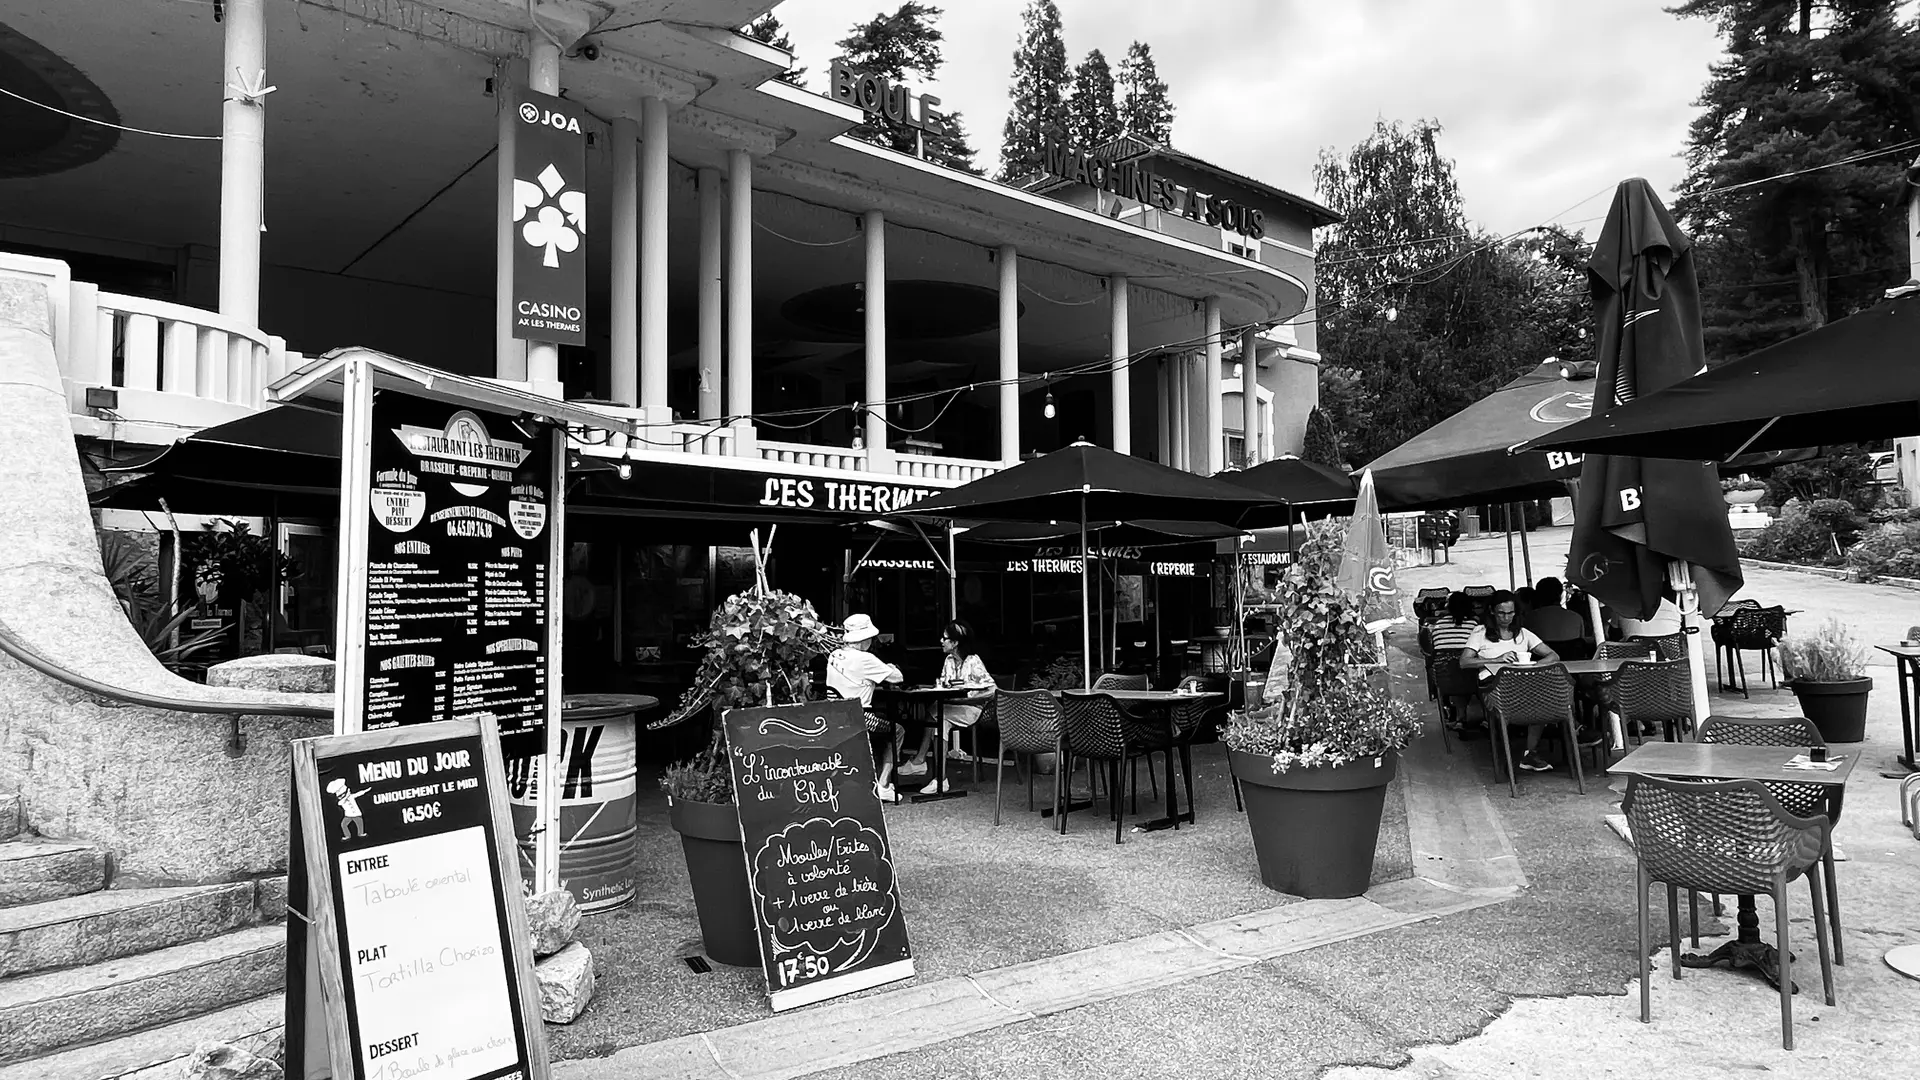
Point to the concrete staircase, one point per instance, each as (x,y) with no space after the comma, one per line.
(98,983)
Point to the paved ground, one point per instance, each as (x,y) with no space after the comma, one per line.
(1537,985)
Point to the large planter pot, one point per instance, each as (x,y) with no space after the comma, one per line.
(1314,829)
(1838,709)
(717,865)
(1745,498)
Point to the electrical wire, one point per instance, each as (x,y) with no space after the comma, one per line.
(106,124)
(763,227)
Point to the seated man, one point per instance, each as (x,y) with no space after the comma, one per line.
(1549,621)
(853,672)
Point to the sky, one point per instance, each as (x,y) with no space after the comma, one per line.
(1545,104)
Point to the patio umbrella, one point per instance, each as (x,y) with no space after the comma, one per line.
(1297,483)
(1366,562)
(1636,517)
(1109,533)
(1083,483)
(1848,381)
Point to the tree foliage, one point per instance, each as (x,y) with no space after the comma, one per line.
(1322,442)
(1470,311)
(909,40)
(768,30)
(1094,118)
(1146,106)
(1040,111)
(1802,86)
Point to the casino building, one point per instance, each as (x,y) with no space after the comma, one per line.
(810,328)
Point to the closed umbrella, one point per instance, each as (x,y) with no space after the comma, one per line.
(1366,562)
(1642,522)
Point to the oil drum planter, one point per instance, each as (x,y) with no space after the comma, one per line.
(1313,757)
(1826,670)
(758,649)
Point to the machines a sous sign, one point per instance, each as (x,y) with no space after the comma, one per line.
(1132,180)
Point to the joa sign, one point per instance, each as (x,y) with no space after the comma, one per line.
(548,211)
(1134,180)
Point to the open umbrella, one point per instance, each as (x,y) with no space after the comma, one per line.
(1083,483)
(1848,381)
(1636,517)
(1298,483)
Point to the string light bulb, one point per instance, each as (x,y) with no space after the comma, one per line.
(1393,314)
(1047,410)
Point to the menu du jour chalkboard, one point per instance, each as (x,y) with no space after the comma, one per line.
(408,954)
(817,852)
(456,573)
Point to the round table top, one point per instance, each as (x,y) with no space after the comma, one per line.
(1149,695)
(929,691)
(602,706)
(1579,667)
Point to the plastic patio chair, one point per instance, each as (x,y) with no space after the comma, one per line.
(1529,697)
(1748,630)
(1113,680)
(1454,686)
(1096,729)
(1803,799)
(1670,646)
(1731,837)
(1657,692)
(1029,722)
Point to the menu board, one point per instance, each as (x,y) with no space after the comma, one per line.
(457,570)
(417,951)
(818,857)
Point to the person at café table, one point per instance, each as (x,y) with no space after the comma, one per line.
(853,672)
(961,666)
(1501,640)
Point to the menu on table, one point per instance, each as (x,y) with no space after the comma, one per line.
(818,857)
(457,575)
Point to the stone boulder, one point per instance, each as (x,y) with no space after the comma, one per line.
(287,673)
(553,919)
(566,984)
(254,1059)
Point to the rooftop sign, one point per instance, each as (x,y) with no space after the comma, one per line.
(1134,180)
(878,95)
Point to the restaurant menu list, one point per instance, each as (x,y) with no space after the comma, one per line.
(428,966)
(818,857)
(457,623)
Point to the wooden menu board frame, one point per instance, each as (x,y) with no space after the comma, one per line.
(435,801)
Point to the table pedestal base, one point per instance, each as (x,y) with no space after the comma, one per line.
(1047,811)
(1756,956)
(937,796)
(1158,824)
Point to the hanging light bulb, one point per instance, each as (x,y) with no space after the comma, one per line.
(859,443)
(1393,314)
(1047,409)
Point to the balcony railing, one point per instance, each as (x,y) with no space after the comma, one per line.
(934,467)
(826,457)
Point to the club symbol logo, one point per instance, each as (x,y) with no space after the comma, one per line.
(529,112)
(1594,566)
(1562,408)
(550,215)
(1380,580)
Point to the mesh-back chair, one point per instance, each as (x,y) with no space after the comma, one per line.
(1529,697)
(1622,650)
(1747,630)
(1429,604)
(1455,687)
(1096,729)
(1655,692)
(1113,680)
(1805,800)
(1029,722)
(1670,646)
(1724,837)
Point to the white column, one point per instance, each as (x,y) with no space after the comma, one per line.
(1250,395)
(740,300)
(1009,355)
(1211,461)
(543,76)
(509,352)
(1163,409)
(1122,387)
(624,298)
(711,302)
(1181,381)
(243,125)
(875,301)
(653,260)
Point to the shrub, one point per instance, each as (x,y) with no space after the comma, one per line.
(1844,472)
(1882,515)
(1828,654)
(1794,536)
(1890,550)
(1743,485)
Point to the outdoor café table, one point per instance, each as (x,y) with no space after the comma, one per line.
(603,706)
(1906,676)
(1722,761)
(1164,701)
(920,706)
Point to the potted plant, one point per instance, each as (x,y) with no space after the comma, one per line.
(1826,670)
(759,648)
(1742,492)
(1315,758)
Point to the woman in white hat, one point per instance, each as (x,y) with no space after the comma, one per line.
(853,672)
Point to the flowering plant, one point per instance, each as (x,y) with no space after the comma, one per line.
(760,646)
(1321,707)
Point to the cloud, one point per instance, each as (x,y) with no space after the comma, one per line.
(1543,104)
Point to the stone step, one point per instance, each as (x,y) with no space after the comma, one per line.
(53,1010)
(113,923)
(35,870)
(13,817)
(153,1052)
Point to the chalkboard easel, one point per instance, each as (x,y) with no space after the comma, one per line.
(407,948)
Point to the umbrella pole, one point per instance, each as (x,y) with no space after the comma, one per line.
(1687,599)
(1526,558)
(1507,510)
(1086,623)
(953,578)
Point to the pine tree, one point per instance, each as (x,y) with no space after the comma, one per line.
(1146,110)
(768,30)
(1785,254)
(1039,92)
(909,40)
(1322,442)
(1095,118)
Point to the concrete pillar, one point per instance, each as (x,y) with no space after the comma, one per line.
(653,260)
(711,299)
(1009,263)
(740,300)
(1163,409)
(514,359)
(874,299)
(1212,459)
(243,125)
(1250,395)
(624,299)
(1121,376)
(543,76)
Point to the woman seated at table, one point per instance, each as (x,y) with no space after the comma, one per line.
(1501,640)
(962,666)
(853,672)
